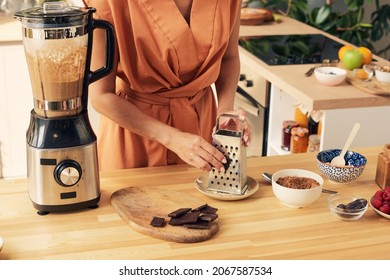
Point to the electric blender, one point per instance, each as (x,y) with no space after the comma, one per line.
(62,160)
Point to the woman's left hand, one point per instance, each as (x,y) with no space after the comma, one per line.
(241,114)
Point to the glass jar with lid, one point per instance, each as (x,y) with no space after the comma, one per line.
(314,143)
(286,133)
(299,140)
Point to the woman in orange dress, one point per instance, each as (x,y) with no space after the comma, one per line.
(157,106)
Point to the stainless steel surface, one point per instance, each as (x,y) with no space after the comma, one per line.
(268,177)
(50,34)
(45,184)
(255,116)
(229,141)
(64,105)
(253,97)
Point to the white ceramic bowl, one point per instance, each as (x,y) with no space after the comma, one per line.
(330,76)
(383,74)
(296,198)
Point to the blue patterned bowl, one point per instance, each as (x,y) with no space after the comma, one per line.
(355,164)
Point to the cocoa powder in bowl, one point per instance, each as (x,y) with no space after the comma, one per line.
(295,182)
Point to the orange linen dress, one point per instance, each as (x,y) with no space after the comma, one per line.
(166,67)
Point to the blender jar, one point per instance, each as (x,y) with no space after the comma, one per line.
(55,39)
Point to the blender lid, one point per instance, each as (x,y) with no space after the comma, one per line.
(53,14)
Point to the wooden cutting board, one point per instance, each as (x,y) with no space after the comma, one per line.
(373,86)
(137,206)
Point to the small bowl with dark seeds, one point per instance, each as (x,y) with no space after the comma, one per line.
(347,207)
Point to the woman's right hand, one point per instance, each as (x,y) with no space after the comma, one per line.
(196,151)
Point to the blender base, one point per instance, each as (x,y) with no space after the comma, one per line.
(46,209)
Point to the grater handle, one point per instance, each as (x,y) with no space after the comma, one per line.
(234,117)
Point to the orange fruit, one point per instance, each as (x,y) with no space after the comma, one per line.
(367,55)
(361,74)
(343,49)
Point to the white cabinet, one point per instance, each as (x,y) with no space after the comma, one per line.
(16,103)
(336,124)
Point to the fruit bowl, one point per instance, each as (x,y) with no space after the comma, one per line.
(329,75)
(347,207)
(355,165)
(380,212)
(380,202)
(382,74)
(296,197)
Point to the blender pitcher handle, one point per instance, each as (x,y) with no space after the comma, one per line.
(107,68)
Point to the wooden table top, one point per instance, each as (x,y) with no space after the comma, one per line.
(258,227)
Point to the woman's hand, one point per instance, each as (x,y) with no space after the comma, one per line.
(235,124)
(196,151)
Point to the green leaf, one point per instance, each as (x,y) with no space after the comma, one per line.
(323,14)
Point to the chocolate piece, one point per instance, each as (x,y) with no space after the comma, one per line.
(208,217)
(227,164)
(208,209)
(187,218)
(157,222)
(198,225)
(179,212)
(199,208)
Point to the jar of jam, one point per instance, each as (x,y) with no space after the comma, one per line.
(314,143)
(300,117)
(382,177)
(299,140)
(286,134)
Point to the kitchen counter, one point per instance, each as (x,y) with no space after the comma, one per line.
(258,227)
(307,90)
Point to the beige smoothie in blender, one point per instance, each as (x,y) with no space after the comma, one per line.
(57,73)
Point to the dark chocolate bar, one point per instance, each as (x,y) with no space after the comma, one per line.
(198,225)
(208,217)
(199,208)
(187,218)
(208,209)
(179,212)
(157,222)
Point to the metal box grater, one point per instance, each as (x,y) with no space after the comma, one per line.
(228,139)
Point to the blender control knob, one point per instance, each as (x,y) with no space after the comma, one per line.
(67,173)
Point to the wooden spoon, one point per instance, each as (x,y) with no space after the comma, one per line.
(339,160)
